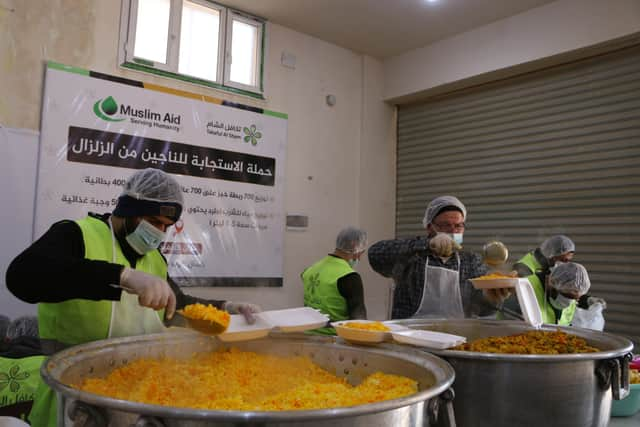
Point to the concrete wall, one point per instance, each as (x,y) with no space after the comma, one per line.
(544,36)
(326,145)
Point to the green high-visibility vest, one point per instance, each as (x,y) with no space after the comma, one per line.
(79,321)
(548,313)
(321,289)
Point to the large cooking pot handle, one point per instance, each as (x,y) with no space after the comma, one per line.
(614,373)
(434,413)
(620,377)
(145,421)
(84,415)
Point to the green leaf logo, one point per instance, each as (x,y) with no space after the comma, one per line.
(12,378)
(109,106)
(252,135)
(105,109)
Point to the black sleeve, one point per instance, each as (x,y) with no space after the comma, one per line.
(350,287)
(385,254)
(54,269)
(183,299)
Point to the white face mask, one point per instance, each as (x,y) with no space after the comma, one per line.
(353,263)
(145,238)
(560,302)
(456,237)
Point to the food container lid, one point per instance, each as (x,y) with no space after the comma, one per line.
(288,320)
(431,339)
(295,319)
(528,303)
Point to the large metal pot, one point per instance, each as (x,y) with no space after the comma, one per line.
(75,407)
(533,390)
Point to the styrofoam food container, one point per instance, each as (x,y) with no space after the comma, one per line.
(295,319)
(430,339)
(507,282)
(288,320)
(362,335)
(240,330)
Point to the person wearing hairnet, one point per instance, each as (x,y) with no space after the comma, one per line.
(431,272)
(77,272)
(558,248)
(332,285)
(566,284)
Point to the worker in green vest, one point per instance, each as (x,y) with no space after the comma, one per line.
(568,282)
(77,272)
(536,266)
(332,285)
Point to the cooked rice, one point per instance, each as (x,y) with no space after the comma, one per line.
(238,380)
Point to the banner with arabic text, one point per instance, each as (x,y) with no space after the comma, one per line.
(98,129)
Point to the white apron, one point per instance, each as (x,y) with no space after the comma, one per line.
(440,293)
(128,318)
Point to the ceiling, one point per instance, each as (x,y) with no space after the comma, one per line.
(383,28)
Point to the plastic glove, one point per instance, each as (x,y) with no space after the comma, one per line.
(596,300)
(152,291)
(246,309)
(443,245)
(496,295)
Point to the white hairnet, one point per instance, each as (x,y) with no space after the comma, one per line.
(351,240)
(23,326)
(570,277)
(439,203)
(154,185)
(557,245)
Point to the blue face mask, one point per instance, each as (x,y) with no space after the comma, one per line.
(145,238)
(560,302)
(353,263)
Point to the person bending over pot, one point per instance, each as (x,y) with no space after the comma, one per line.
(103,276)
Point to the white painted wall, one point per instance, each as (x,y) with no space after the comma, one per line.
(341,159)
(326,145)
(542,36)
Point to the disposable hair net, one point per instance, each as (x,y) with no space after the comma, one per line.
(439,203)
(570,277)
(557,245)
(25,326)
(155,185)
(351,240)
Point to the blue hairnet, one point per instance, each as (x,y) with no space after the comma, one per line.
(570,277)
(439,203)
(351,240)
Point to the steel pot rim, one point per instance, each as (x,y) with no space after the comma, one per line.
(624,345)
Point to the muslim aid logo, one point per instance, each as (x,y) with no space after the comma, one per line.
(105,109)
(252,134)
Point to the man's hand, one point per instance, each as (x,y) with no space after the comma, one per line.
(442,245)
(496,295)
(246,309)
(152,291)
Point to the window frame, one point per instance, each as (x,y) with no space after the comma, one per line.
(249,20)
(126,58)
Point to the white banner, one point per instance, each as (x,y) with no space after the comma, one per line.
(97,130)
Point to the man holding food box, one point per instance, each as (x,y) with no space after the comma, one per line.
(77,272)
(432,272)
